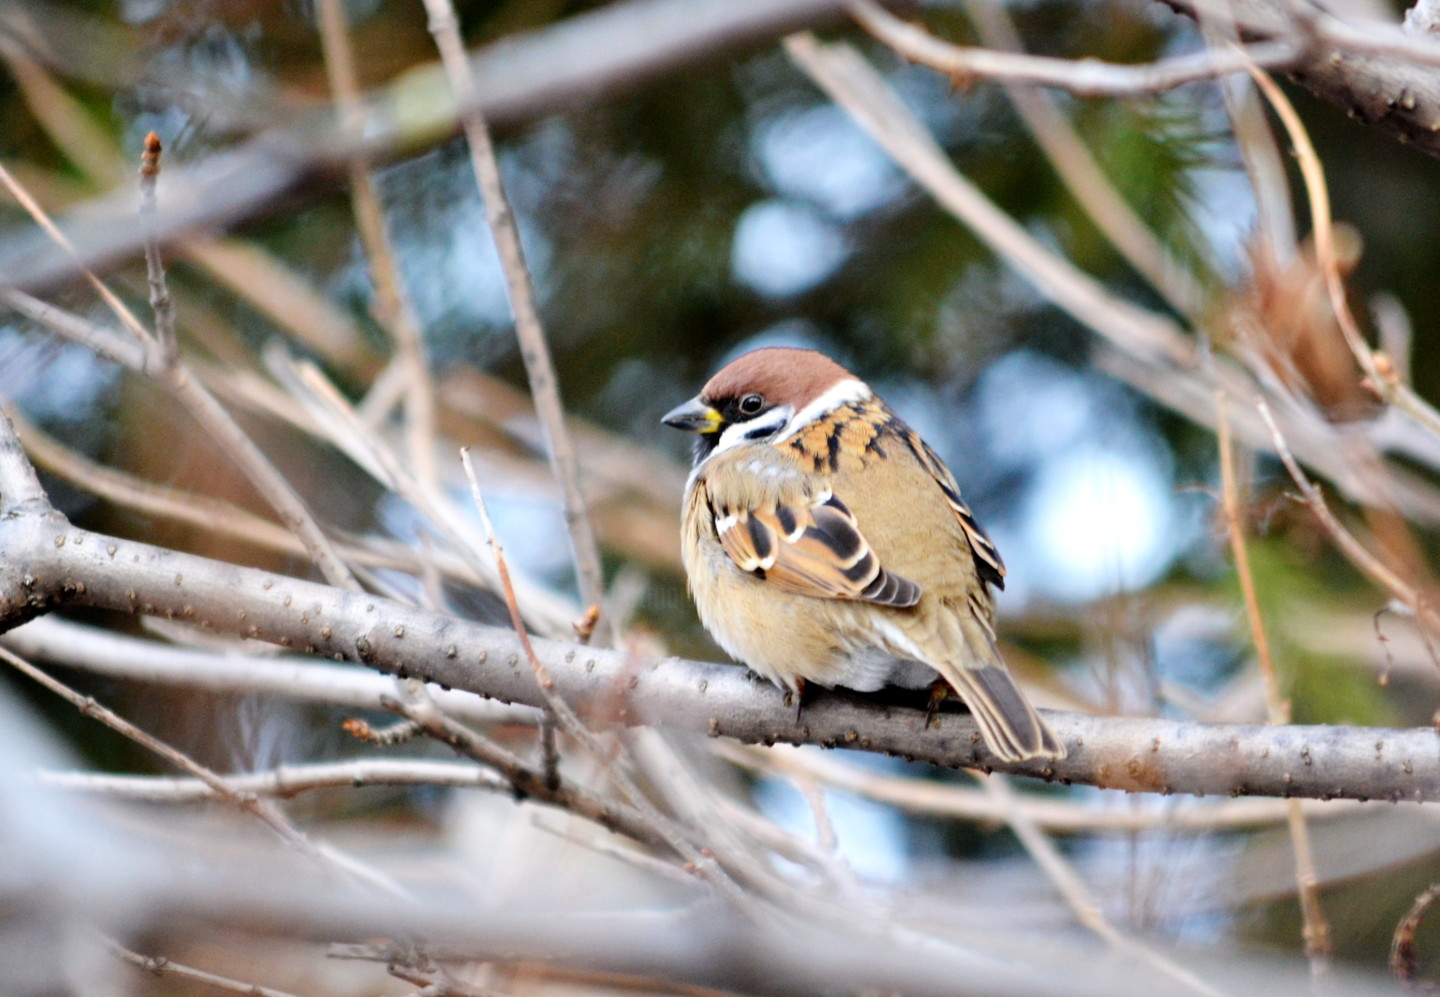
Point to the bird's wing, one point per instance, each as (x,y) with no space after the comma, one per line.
(987,558)
(796,534)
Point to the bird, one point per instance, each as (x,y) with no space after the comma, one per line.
(825,542)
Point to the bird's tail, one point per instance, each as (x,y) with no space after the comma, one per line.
(1011,727)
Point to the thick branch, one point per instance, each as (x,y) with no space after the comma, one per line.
(1380,77)
(52,565)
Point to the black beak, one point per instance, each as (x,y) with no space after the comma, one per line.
(693,417)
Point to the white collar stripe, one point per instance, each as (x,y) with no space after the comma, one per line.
(841,393)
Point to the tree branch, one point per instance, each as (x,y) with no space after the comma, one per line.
(1082,77)
(160,966)
(1378,75)
(45,564)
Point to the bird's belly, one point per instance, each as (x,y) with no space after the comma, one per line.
(869,668)
(797,637)
(786,643)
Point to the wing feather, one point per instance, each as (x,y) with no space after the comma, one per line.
(809,544)
(987,558)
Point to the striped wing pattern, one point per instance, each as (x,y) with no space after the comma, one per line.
(987,558)
(813,548)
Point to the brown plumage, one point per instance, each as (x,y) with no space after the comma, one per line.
(826,542)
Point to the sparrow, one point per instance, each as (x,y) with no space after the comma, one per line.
(825,542)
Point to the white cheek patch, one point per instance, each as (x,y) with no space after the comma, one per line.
(756,430)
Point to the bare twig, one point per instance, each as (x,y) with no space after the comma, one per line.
(534,349)
(1316,928)
(160,301)
(221,426)
(106,343)
(202,405)
(1275,705)
(1404,961)
(507,588)
(1083,77)
(161,966)
(20,489)
(1380,374)
(265,812)
(929,797)
(561,711)
(392,300)
(52,231)
(1355,552)
(529,780)
(1077,895)
(549,747)
(1077,167)
(285,782)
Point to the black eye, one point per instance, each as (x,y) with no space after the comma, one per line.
(751,404)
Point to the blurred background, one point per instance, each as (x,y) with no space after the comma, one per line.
(669,227)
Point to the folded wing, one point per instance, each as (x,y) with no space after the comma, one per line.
(809,544)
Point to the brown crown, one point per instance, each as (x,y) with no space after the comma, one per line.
(784,375)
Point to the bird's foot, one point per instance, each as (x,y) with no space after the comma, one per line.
(939,692)
(796,697)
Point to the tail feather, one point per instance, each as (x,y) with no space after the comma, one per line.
(1009,724)
(1011,727)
